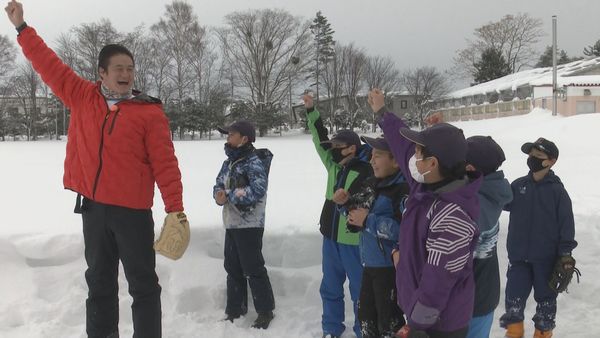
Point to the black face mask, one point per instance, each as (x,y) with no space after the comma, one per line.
(535,164)
(336,153)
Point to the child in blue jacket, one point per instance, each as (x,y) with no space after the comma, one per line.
(376,211)
(241,188)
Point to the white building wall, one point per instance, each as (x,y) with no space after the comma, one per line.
(578,91)
(540,92)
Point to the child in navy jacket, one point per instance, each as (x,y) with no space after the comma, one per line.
(541,232)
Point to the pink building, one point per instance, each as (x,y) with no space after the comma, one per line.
(578,86)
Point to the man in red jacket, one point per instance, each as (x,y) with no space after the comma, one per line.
(119,145)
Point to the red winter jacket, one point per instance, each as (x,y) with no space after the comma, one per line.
(113,156)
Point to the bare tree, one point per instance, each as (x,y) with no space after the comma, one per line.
(381,72)
(425,84)
(173,31)
(7,55)
(201,59)
(7,58)
(353,69)
(140,45)
(160,70)
(25,85)
(65,49)
(89,40)
(515,35)
(331,76)
(260,45)
(4,116)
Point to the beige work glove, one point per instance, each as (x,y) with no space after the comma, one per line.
(174,236)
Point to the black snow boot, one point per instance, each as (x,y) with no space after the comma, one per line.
(263,320)
(230,318)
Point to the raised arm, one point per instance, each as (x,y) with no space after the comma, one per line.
(61,79)
(390,124)
(318,131)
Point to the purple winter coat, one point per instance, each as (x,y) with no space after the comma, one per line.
(437,238)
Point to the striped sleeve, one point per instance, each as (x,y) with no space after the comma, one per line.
(449,248)
(451,232)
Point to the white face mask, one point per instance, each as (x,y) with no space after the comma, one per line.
(414,172)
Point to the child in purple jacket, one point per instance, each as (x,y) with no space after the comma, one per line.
(438,234)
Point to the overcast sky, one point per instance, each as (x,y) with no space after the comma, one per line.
(414,33)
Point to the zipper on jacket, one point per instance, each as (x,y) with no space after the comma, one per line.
(533,190)
(336,212)
(112,125)
(101,147)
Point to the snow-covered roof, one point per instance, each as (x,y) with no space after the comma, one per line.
(536,77)
(582,80)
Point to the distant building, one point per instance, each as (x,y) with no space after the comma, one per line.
(402,103)
(16,105)
(16,116)
(578,84)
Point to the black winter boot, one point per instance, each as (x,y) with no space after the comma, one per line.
(230,318)
(263,320)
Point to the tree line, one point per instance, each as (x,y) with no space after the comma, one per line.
(254,66)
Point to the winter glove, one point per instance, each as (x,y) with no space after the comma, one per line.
(407,332)
(354,228)
(174,236)
(563,273)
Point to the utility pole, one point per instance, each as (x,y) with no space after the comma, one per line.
(554,86)
(294,60)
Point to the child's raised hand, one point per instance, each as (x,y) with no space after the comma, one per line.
(308,100)
(376,99)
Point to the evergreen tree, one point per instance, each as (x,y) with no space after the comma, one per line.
(324,43)
(492,65)
(592,50)
(546,58)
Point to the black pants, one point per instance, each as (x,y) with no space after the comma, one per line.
(378,310)
(111,234)
(245,264)
(461,333)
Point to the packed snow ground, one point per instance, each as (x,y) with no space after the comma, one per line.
(42,289)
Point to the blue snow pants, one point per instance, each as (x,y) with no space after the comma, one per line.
(522,276)
(480,327)
(339,261)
